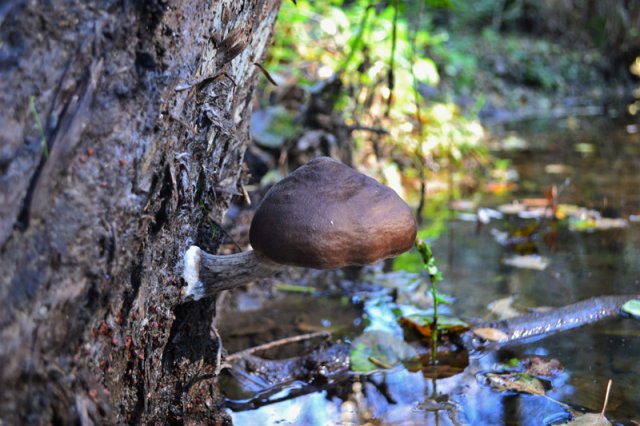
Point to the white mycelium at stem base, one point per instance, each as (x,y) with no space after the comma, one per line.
(206,274)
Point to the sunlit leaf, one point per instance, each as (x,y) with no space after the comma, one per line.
(425,70)
(584,148)
(500,188)
(513,142)
(632,307)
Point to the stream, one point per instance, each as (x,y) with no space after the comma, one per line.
(595,164)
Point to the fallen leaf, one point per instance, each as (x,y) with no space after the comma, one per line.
(540,367)
(557,169)
(491,334)
(512,208)
(503,308)
(529,261)
(588,419)
(535,202)
(378,349)
(632,307)
(500,188)
(422,324)
(515,382)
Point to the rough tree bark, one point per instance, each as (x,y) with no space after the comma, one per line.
(144,107)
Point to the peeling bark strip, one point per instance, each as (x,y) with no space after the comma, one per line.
(91,329)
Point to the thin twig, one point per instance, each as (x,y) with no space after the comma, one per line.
(380,130)
(390,75)
(606,401)
(420,154)
(265,73)
(277,343)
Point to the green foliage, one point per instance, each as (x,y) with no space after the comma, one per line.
(355,41)
(632,307)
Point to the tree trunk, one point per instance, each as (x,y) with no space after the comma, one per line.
(124,126)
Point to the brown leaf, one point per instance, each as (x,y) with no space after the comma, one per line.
(492,334)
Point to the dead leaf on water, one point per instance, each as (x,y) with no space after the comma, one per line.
(529,261)
(557,169)
(512,208)
(541,367)
(588,419)
(535,202)
(503,308)
(491,334)
(500,188)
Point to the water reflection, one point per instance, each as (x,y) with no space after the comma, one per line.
(603,162)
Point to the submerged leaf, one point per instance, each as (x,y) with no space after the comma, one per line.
(503,308)
(378,349)
(541,367)
(515,382)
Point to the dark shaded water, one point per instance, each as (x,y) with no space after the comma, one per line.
(601,157)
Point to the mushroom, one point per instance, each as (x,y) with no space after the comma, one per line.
(324,215)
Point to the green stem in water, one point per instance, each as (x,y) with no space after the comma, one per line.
(434,324)
(429,263)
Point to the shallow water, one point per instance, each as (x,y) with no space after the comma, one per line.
(602,160)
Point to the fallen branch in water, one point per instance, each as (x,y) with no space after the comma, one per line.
(330,363)
(541,324)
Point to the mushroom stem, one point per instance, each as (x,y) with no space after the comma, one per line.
(207,274)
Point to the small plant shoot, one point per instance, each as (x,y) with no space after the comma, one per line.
(434,274)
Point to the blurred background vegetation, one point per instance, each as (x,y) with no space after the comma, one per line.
(409,91)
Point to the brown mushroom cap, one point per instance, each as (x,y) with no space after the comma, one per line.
(327,215)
